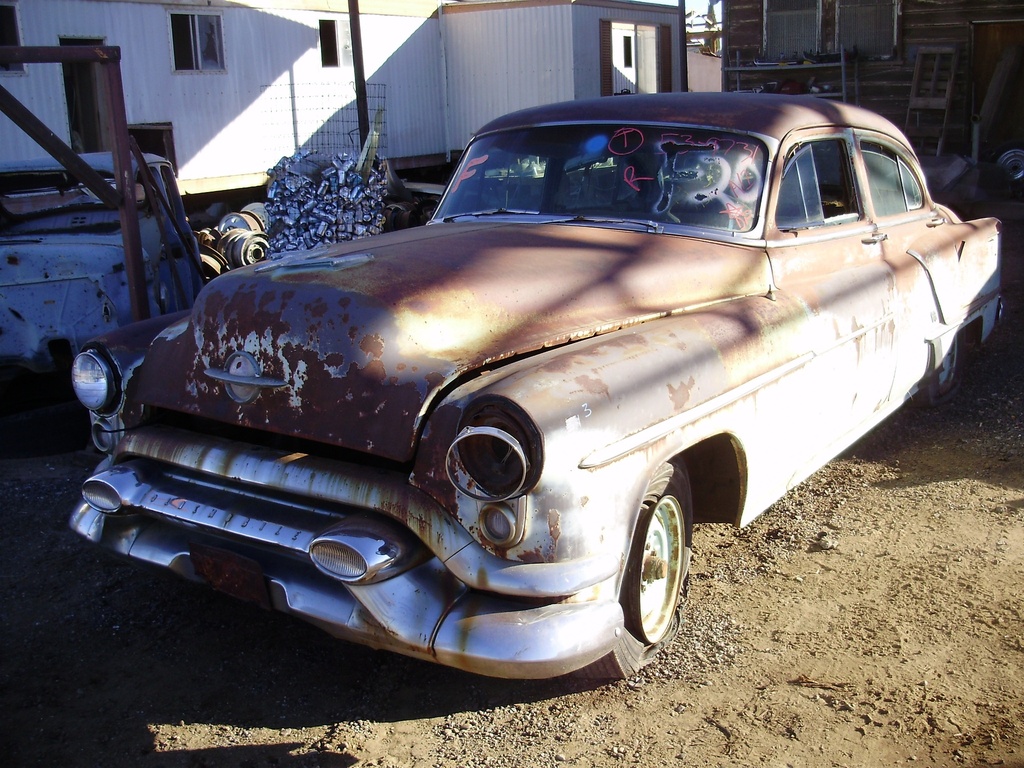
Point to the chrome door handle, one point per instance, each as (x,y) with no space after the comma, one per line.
(876,237)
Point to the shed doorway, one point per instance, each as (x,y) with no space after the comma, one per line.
(993,45)
(634,58)
(87,102)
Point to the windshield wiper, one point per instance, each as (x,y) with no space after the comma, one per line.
(480,214)
(649,225)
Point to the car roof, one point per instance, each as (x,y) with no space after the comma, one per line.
(766,114)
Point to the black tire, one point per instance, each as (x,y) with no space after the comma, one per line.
(1010,157)
(656,576)
(942,384)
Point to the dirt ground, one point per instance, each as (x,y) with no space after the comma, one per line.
(873,617)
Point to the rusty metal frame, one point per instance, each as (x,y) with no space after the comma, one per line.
(122,198)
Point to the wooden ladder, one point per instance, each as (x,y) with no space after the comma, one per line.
(931,96)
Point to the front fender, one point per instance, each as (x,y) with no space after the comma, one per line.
(612,408)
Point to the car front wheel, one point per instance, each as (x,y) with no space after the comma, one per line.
(655,580)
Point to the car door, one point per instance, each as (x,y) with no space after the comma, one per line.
(943,268)
(825,255)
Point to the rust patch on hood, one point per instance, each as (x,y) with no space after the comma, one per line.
(354,343)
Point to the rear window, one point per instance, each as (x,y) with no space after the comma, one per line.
(894,188)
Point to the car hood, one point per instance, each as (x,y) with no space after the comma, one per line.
(351,345)
(36,258)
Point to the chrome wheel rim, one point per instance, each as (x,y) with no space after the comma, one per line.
(661,569)
(1013,161)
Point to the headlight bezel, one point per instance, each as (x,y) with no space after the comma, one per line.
(489,427)
(99,396)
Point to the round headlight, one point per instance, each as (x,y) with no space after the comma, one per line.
(496,455)
(93,380)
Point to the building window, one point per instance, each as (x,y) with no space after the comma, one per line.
(867,25)
(9,35)
(791,28)
(197,42)
(336,43)
(329,43)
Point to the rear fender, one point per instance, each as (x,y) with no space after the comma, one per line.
(963,265)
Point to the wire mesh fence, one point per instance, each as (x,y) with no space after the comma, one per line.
(322,117)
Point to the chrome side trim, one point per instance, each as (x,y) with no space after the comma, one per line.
(655,432)
(249,381)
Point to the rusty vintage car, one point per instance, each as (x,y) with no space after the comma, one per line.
(485,442)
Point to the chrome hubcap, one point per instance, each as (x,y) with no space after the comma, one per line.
(661,569)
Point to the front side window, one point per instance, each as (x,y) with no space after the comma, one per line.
(892,184)
(816,187)
(197,42)
(684,176)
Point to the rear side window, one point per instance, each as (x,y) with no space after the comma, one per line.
(893,187)
(817,186)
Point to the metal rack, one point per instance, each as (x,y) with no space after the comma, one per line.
(738,71)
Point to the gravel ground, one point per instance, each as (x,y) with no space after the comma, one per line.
(872,617)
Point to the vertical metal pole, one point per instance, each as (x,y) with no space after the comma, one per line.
(724,25)
(684,73)
(362,108)
(135,271)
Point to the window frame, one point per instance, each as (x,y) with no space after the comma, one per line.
(14,39)
(830,21)
(196,54)
(330,49)
(849,179)
(771,18)
(893,29)
(904,167)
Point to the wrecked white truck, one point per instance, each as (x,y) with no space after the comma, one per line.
(63,278)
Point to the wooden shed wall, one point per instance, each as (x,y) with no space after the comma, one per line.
(884,86)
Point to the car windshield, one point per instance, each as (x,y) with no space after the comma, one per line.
(33,202)
(653,173)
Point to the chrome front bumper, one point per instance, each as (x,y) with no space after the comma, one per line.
(425,612)
(458,606)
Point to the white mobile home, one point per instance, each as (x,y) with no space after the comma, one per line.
(226,89)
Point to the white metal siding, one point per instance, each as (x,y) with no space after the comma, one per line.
(275,96)
(230,123)
(405,54)
(502,59)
